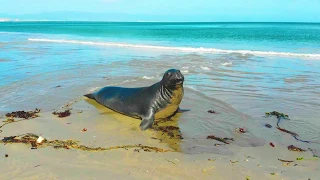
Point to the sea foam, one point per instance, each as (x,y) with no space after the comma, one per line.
(184,49)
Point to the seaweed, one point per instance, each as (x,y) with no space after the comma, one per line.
(171,131)
(268,125)
(171,162)
(287,131)
(313,152)
(224,140)
(24,114)
(62,114)
(281,116)
(271,144)
(6,155)
(212,112)
(277,114)
(20,114)
(294,148)
(233,162)
(31,139)
(287,161)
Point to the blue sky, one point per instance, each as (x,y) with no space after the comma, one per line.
(163,10)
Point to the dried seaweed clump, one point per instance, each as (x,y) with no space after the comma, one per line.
(224,140)
(71,144)
(26,139)
(172,131)
(294,148)
(23,114)
(62,114)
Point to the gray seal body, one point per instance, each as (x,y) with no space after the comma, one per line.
(160,100)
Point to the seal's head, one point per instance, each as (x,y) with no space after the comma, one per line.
(172,78)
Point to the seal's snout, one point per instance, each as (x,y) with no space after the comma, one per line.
(173,77)
(179,78)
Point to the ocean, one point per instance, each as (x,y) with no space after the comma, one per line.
(253,67)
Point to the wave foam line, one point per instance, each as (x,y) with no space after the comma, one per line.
(188,49)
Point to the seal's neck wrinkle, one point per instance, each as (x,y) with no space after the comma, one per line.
(165,93)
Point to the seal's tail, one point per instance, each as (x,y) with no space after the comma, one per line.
(89,96)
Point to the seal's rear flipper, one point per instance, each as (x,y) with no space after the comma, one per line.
(182,110)
(89,96)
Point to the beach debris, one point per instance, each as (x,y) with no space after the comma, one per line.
(247,177)
(277,114)
(34,145)
(212,112)
(294,148)
(136,150)
(171,162)
(84,130)
(224,140)
(273,174)
(58,86)
(249,157)
(40,139)
(31,139)
(285,162)
(23,114)
(9,120)
(302,158)
(211,159)
(288,161)
(218,145)
(6,155)
(268,125)
(62,114)
(271,144)
(233,162)
(36,166)
(240,130)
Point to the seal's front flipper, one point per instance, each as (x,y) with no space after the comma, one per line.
(147,122)
(182,110)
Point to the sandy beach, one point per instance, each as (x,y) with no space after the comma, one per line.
(248,157)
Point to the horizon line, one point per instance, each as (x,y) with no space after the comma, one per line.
(142,21)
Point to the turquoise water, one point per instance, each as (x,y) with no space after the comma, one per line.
(286,37)
(254,67)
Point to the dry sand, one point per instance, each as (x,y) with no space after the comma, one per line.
(106,128)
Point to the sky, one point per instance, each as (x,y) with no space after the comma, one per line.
(163,10)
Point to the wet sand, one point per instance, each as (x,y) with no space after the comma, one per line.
(194,157)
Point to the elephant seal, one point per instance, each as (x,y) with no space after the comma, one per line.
(160,100)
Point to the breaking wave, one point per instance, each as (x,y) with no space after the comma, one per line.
(185,49)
